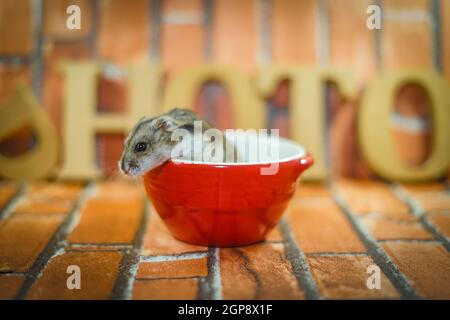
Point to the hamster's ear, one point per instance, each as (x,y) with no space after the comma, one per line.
(166,123)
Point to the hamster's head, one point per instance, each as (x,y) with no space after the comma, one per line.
(147,146)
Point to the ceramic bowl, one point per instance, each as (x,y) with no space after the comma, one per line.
(226,204)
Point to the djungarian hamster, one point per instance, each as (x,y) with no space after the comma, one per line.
(150,142)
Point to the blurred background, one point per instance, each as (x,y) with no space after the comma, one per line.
(246,34)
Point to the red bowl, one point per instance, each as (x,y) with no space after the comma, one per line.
(226,204)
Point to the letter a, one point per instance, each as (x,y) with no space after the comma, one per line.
(74,20)
(374,20)
(374,280)
(74,280)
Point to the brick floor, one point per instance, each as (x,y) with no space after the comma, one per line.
(324,248)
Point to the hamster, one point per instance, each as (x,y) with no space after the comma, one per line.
(150,143)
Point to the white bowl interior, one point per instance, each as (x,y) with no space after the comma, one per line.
(257,149)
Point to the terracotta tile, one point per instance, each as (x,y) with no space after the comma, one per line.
(426,265)
(423,187)
(383,229)
(319,226)
(312,190)
(274,235)
(441,221)
(7,191)
(433,201)
(159,241)
(98,272)
(345,277)
(9,286)
(112,215)
(22,238)
(173,269)
(165,289)
(56,190)
(39,205)
(48,198)
(364,196)
(257,272)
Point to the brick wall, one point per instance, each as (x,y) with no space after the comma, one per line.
(246,34)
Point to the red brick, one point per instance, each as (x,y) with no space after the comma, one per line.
(16,27)
(9,286)
(159,241)
(98,272)
(113,215)
(22,238)
(109,150)
(365,196)
(48,198)
(384,229)
(407,44)
(173,269)
(319,226)
(345,277)
(185,37)
(441,221)
(426,265)
(165,289)
(10,76)
(7,191)
(258,272)
(54,18)
(350,46)
(127,25)
(288,15)
(229,19)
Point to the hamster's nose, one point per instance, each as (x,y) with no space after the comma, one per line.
(133,164)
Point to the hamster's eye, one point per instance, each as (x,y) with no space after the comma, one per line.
(140,147)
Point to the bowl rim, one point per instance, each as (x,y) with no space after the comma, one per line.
(299,153)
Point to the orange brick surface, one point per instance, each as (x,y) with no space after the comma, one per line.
(7,191)
(383,228)
(363,197)
(9,285)
(427,265)
(113,215)
(159,241)
(319,226)
(442,222)
(48,198)
(257,272)
(98,272)
(165,289)
(22,239)
(345,277)
(173,269)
